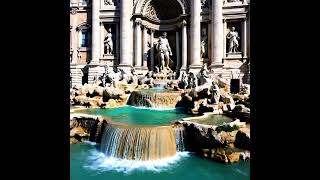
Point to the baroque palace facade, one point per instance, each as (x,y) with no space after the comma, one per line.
(124,34)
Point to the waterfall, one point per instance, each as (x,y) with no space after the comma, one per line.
(138,143)
(180,138)
(154,99)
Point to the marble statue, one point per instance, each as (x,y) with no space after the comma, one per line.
(164,53)
(78,54)
(97,80)
(215,93)
(233,37)
(124,77)
(203,75)
(204,43)
(108,42)
(104,76)
(147,79)
(184,80)
(192,80)
(156,69)
(134,76)
(107,77)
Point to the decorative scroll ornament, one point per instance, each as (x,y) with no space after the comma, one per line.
(152,13)
(74,10)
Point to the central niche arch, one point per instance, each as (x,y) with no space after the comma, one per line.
(162,11)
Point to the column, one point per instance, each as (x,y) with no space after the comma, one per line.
(244,37)
(117,52)
(178,50)
(73,37)
(224,38)
(184,46)
(101,39)
(195,32)
(145,48)
(151,50)
(137,53)
(248,37)
(217,30)
(95,41)
(125,33)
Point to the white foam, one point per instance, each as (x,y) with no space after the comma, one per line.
(90,143)
(97,161)
(157,109)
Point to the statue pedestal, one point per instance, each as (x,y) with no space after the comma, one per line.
(237,55)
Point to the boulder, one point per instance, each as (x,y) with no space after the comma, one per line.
(220,155)
(227,99)
(111,93)
(241,112)
(230,107)
(81,99)
(98,90)
(228,138)
(242,140)
(226,155)
(111,103)
(203,107)
(240,108)
(234,157)
(73,140)
(78,130)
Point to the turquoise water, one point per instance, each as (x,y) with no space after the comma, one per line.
(86,163)
(139,116)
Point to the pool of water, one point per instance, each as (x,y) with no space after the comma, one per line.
(215,120)
(139,116)
(87,163)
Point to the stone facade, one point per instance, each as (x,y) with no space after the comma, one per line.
(198,33)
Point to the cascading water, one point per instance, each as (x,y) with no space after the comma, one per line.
(138,143)
(154,99)
(180,138)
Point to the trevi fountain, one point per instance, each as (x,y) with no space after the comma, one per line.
(165,119)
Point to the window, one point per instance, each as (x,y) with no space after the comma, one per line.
(84,39)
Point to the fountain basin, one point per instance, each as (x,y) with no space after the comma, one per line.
(137,116)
